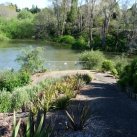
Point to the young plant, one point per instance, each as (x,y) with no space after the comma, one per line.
(61,103)
(16,126)
(77,118)
(35,127)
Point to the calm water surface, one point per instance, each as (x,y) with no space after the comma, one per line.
(56,57)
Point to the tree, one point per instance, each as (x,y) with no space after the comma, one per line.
(90,4)
(34,9)
(45,22)
(72,15)
(60,9)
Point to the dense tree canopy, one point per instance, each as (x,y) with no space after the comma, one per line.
(101,24)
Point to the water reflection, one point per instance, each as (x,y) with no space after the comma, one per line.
(56,58)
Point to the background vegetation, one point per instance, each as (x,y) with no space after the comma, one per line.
(103,25)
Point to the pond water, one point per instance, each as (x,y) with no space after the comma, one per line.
(56,57)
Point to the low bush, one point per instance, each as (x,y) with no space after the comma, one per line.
(92,59)
(5,101)
(10,80)
(80,44)
(19,99)
(108,65)
(68,39)
(61,103)
(128,77)
(120,63)
(86,78)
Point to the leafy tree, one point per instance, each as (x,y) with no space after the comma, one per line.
(72,15)
(34,9)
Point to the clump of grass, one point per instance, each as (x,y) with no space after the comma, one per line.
(61,103)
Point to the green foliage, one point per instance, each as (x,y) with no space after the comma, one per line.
(97,42)
(108,65)
(77,117)
(35,127)
(75,81)
(5,101)
(17,29)
(120,63)
(20,99)
(67,39)
(48,94)
(129,76)
(24,14)
(10,80)
(72,15)
(86,78)
(61,103)
(20,29)
(3,37)
(80,44)
(24,77)
(114,72)
(31,60)
(92,59)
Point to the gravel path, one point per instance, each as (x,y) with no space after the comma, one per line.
(115,114)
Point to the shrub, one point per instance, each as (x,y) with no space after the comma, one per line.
(92,59)
(108,65)
(24,77)
(75,82)
(85,77)
(19,29)
(61,103)
(9,80)
(20,98)
(24,14)
(3,37)
(114,72)
(120,63)
(31,60)
(129,76)
(80,44)
(5,101)
(67,39)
